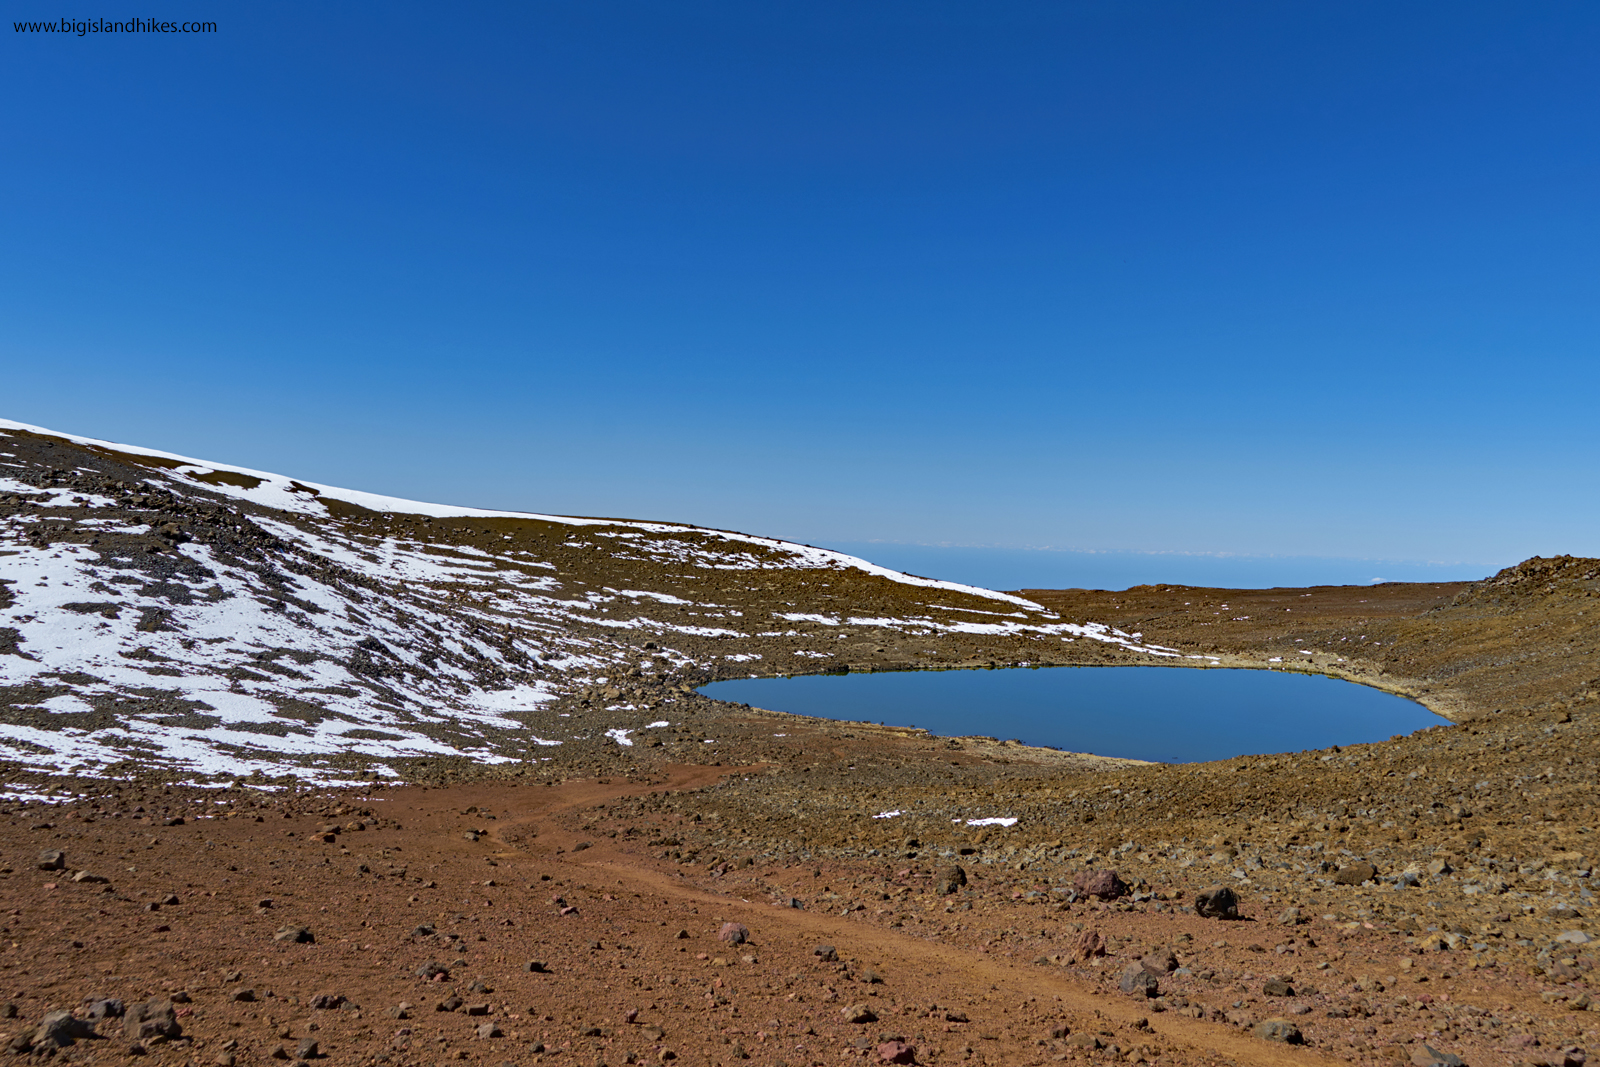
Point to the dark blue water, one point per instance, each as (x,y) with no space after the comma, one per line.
(1172,715)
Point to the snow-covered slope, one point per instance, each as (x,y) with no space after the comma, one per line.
(161,610)
(311,499)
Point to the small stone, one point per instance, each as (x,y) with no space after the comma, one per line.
(449,1004)
(535,967)
(1428,1056)
(327,1001)
(896,1052)
(1290,917)
(52,859)
(1281,1030)
(279,1052)
(151,1020)
(1218,902)
(859,1013)
(477,1009)
(1089,944)
(949,880)
(733,933)
(1103,885)
(1160,960)
(307,1049)
(90,878)
(97,1008)
(1277,987)
(60,1029)
(826,953)
(1573,937)
(488,1030)
(295,935)
(432,970)
(1137,981)
(244,996)
(1357,873)
(1440,942)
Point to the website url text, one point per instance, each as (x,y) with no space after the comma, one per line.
(83,27)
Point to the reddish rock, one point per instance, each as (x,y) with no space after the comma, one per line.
(1105,885)
(1089,944)
(896,1052)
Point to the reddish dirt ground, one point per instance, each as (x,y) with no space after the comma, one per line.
(482,880)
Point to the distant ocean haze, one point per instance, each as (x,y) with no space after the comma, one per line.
(1024,568)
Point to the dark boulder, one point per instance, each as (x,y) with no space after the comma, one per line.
(151,1020)
(1280,1030)
(950,880)
(1218,902)
(1137,980)
(60,1029)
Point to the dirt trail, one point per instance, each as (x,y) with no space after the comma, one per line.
(523,923)
(957,972)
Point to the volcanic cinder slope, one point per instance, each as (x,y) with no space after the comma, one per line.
(167,613)
(217,683)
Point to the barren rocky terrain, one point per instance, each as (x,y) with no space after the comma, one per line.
(294,765)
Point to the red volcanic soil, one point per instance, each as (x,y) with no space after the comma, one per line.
(525,923)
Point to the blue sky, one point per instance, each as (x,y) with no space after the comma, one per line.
(1302,281)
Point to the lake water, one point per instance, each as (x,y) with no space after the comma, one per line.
(1172,715)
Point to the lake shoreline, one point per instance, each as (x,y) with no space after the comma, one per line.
(1128,712)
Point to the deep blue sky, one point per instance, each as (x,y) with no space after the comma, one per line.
(1304,280)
